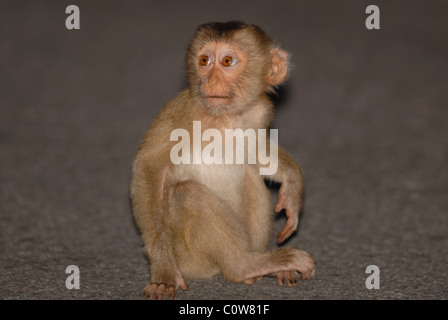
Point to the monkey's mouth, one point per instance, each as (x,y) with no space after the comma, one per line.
(217,100)
(218,97)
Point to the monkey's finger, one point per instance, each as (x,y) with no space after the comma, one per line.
(280,278)
(282,238)
(306,276)
(149,291)
(252,280)
(277,209)
(310,275)
(280,203)
(158,295)
(295,281)
(171,292)
(289,228)
(283,235)
(291,278)
(183,285)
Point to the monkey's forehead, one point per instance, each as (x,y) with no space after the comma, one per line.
(216,46)
(228,30)
(244,38)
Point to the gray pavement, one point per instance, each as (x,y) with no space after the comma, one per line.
(365,112)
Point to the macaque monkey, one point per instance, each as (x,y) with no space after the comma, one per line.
(201,220)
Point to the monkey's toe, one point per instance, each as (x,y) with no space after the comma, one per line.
(252,280)
(306,265)
(308,274)
(290,278)
(156,291)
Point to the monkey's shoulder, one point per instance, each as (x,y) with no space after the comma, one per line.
(173,114)
(177,108)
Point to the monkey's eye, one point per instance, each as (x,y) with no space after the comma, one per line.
(228,61)
(204,60)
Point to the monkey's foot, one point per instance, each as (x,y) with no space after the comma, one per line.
(156,291)
(305,265)
(290,278)
(252,280)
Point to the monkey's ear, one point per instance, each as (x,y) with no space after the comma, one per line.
(279,66)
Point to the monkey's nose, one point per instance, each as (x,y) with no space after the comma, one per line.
(212,81)
(213,78)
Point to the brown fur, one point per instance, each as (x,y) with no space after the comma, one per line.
(199,220)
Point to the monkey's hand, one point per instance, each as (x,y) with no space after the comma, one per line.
(289,199)
(156,290)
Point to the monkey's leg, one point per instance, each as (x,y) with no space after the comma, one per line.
(259,221)
(166,277)
(213,232)
(158,242)
(205,227)
(258,211)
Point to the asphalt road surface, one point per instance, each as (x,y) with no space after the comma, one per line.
(365,112)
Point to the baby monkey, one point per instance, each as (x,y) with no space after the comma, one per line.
(199,220)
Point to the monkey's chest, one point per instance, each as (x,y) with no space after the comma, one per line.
(224,180)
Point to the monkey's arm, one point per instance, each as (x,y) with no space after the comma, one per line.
(147,196)
(290,176)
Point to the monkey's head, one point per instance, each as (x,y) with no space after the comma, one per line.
(231,65)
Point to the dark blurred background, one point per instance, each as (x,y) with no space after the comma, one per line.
(364,111)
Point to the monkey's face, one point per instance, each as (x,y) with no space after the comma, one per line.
(220,67)
(231,66)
